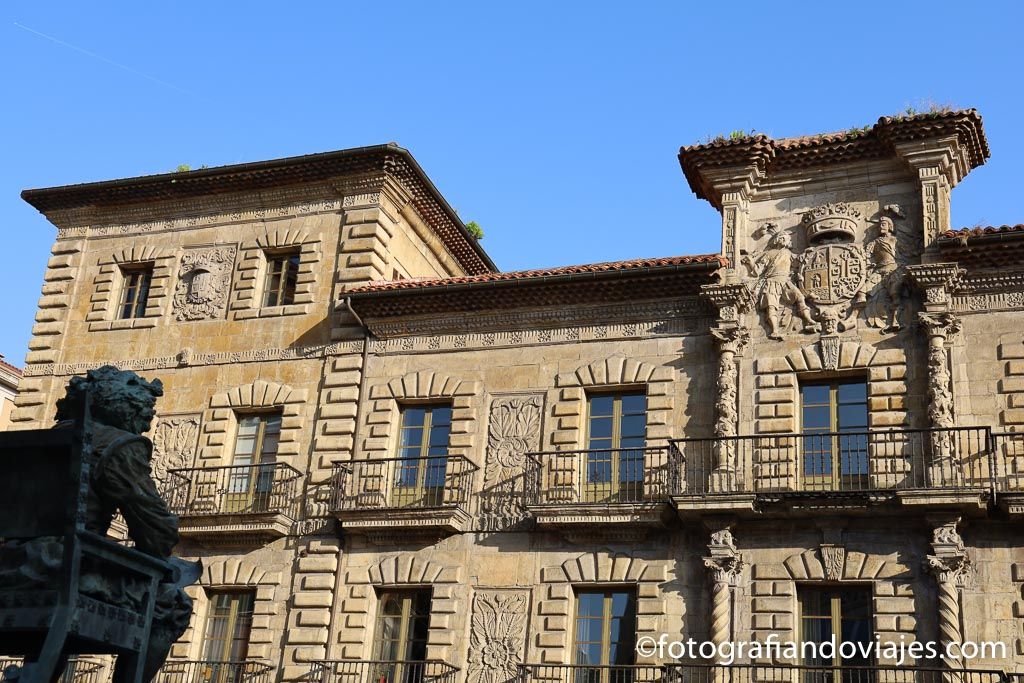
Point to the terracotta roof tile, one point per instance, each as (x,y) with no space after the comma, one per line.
(539,273)
(979,231)
(13,368)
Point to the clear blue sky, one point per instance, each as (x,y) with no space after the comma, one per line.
(553,125)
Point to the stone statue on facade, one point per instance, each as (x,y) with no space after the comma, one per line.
(888,277)
(121,409)
(775,287)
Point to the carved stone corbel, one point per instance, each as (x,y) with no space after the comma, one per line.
(937,281)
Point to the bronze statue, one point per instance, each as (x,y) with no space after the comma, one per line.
(121,410)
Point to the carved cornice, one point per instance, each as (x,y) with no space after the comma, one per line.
(517,327)
(731,299)
(937,281)
(187,358)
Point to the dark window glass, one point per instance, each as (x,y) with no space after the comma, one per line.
(834,445)
(605,632)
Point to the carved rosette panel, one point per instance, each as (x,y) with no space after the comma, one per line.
(514,430)
(204,279)
(174,445)
(498,636)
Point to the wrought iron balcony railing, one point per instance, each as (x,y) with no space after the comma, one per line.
(439,481)
(585,673)
(80,669)
(234,490)
(782,673)
(837,462)
(600,476)
(376,671)
(1009,461)
(192,671)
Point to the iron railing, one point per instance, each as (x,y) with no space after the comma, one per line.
(379,671)
(193,671)
(234,490)
(1008,449)
(600,476)
(876,460)
(80,669)
(782,673)
(408,483)
(587,673)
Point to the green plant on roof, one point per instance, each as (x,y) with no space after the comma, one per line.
(474,229)
(927,106)
(182,168)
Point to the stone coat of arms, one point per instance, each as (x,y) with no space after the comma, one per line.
(833,273)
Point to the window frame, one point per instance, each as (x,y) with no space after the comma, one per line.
(290,258)
(596,491)
(409,598)
(838,479)
(235,596)
(251,488)
(127,272)
(835,618)
(627,630)
(420,493)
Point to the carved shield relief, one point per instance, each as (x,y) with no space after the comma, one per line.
(833,273)
(204,280)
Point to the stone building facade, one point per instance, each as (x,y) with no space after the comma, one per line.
(10,377)
(383,448)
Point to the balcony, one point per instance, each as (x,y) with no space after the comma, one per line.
(582,673)
(853,470)
(1008,448)
(611,491)
(190,671)
(388,497)
(784,673)
(80,669)
(372,671)
(234,504)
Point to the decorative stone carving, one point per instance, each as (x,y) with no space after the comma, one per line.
(834,560)
(775,290)
(949,565)
(726,566)
(937,281)
(174,445)
(514,430)
(203,283)
(833,273)
(939,327)
(497,636)
(888,254)
(731,341)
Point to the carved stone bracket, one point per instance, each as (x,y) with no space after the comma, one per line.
(937,281)
(731,299)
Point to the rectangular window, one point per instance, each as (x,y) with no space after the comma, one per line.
(403,618)
(251,475)
(616,433)
(843,612)
(228,623)
(135,284)
(422,456)
(604,635)
(834,441)
(282,272)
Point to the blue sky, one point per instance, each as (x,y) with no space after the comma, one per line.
(553,125)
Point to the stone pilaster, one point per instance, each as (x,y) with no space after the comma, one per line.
(726,567)
(948,564)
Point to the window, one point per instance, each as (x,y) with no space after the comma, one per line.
(616,431)
(251,475)
(422,456)
(135,284)
(282,272)
(843,612)
(403,618)
(228,623)
(835,438)
(604,634)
